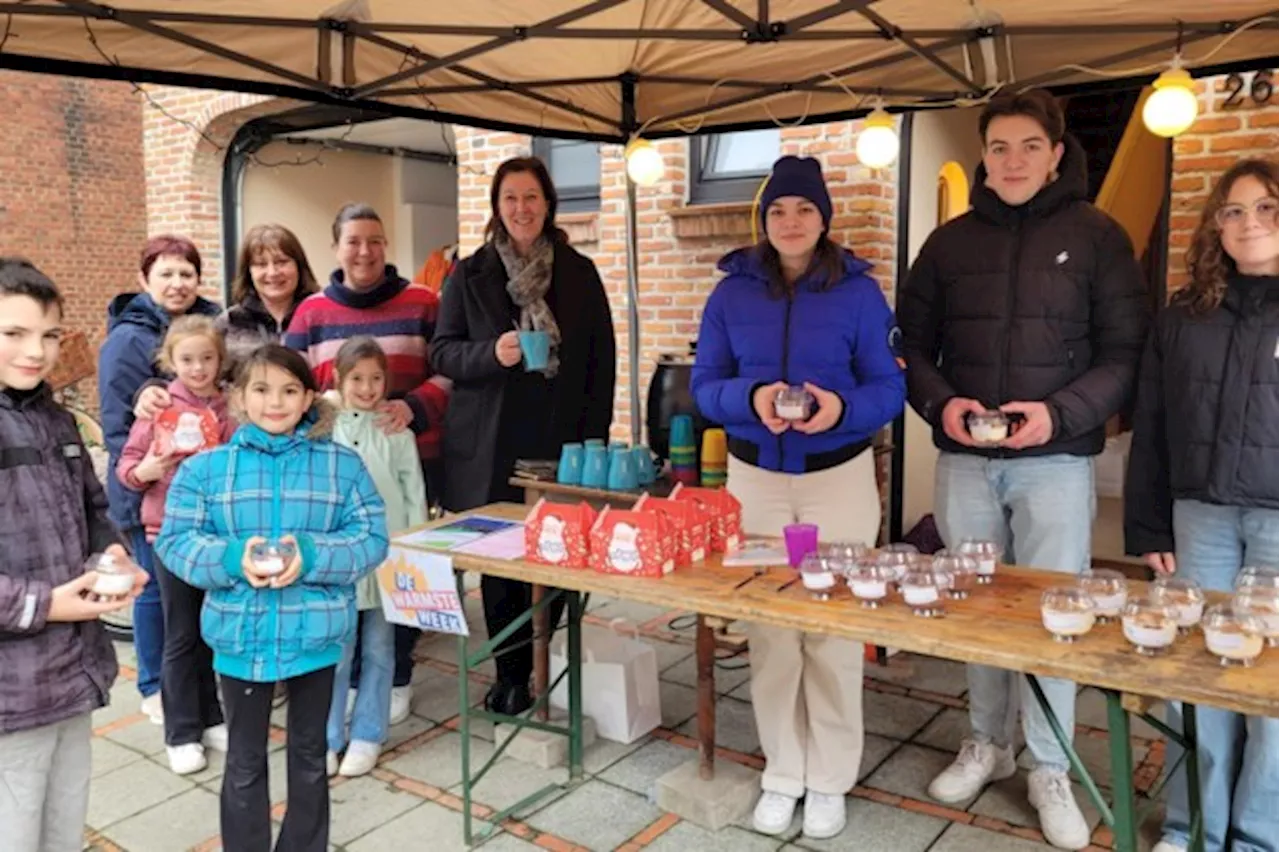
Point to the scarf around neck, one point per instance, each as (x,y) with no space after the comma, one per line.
(528,280)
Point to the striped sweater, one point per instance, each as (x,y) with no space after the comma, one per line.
(402,318)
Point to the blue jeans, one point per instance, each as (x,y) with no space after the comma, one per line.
(148,618)
(373,693)
(1040,510)
(1239,755)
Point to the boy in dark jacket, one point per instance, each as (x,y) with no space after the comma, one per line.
(56,663)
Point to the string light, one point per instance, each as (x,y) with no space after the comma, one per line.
(878,143)
(1173,106)
(644,162)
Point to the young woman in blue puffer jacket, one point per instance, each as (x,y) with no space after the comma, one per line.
(279,478)
(799,310)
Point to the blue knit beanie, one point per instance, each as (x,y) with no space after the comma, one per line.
(800,176)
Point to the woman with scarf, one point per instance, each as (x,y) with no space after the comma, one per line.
(525,276)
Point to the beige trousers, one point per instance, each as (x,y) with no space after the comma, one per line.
(807,688)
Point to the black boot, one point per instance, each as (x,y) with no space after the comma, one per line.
(509,699)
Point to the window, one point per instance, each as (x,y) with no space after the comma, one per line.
(730,166)
(575,171)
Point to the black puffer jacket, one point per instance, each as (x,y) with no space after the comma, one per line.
(1041,302)
(1205,427)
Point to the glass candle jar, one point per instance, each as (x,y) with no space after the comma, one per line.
(869,581)
(271,558)
(115,575)
(988,427)
(1109,590)
(1232,635)
(1184,596)
(1263,604)
(961,570)
(793,403)
(1066,612)
(924,590)
(897,561)
(986,553)
(817,576)
(1257,576)
(844,555)
(1151,626)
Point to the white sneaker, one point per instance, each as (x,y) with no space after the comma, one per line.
(773,813)
(1168,846)
(331,763)
(187,758)
(152,707)
(977,764)
(215,738)
(360,759)
(824,815)
(1049,792)
(400,698)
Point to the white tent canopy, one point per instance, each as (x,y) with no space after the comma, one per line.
(606,69)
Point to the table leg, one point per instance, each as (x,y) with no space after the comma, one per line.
(1123,805)
(541,651)
(573,660)
(464,728)
(706,660)
(1195,842)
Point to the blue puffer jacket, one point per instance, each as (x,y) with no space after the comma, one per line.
(136,326)
(269,485)
(841,339)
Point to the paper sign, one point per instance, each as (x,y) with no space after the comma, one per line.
(419,590)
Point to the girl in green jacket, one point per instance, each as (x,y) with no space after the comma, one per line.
(392,462)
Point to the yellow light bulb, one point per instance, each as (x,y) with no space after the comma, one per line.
(1173,106)
(877,144)
(644,162)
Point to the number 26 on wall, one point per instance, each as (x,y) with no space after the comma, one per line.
(1259,89)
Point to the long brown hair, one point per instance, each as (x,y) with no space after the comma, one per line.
(1208,264)
(826,266)
(537,168)
(264,238)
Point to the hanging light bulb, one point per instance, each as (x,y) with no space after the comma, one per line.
(1173,106)
(644,162)
(877,144)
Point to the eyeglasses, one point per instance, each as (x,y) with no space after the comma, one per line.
(1234,215)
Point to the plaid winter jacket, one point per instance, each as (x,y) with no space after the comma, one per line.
(272,485)
(53,515)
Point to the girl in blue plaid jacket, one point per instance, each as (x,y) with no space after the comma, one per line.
(280,480)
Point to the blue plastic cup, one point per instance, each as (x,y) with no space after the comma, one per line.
(645,474)
(622,471)
(536,348)
(682,431)
(595,467)
(571,462)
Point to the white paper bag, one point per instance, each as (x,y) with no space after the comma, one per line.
(619,683)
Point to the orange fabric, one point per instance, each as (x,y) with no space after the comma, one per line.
(435,270)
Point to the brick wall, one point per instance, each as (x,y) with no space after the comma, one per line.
(678,244)
(1221,135)
(72,188)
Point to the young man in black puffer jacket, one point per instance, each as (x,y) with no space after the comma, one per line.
(1032,303)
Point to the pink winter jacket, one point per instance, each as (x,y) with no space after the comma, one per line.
(141,437)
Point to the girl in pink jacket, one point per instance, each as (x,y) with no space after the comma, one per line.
(193,351)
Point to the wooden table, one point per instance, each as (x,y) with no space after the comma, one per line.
(555,492)
(999,625)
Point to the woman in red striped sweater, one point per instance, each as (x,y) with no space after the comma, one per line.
(367,296)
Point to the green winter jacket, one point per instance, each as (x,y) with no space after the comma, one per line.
(393,463)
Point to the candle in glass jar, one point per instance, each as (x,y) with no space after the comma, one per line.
(868,589)
(919,595)
(112,585)
(1232,643)
(1110,605)
(1063,623)
(818,580)
(1150,631)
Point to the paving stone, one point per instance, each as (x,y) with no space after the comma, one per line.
(944,677)
(632,612)
(735,726)
(729,675)
(429,825)
(108,756)
(439,762)
(596,815)
(1095,753)
(181,823)
(406,730)
(505,842)
(909,771)
(874,751)
(141,736)
(130,790)
(511,780)
(679,703)
(361,805)
(946,730)
(967,838)
(1007,800)
(872,825)
(602,754)
(124,701)
(1091,709)
(435,695)
(895,716)
(685,836)
(669,653)
(638,771)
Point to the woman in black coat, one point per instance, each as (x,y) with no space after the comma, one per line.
(525,277)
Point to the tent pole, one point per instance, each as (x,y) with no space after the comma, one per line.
(633,312)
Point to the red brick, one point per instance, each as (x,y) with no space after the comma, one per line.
(1244,142)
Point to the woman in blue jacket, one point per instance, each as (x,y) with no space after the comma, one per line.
(279,477)
(797,309)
